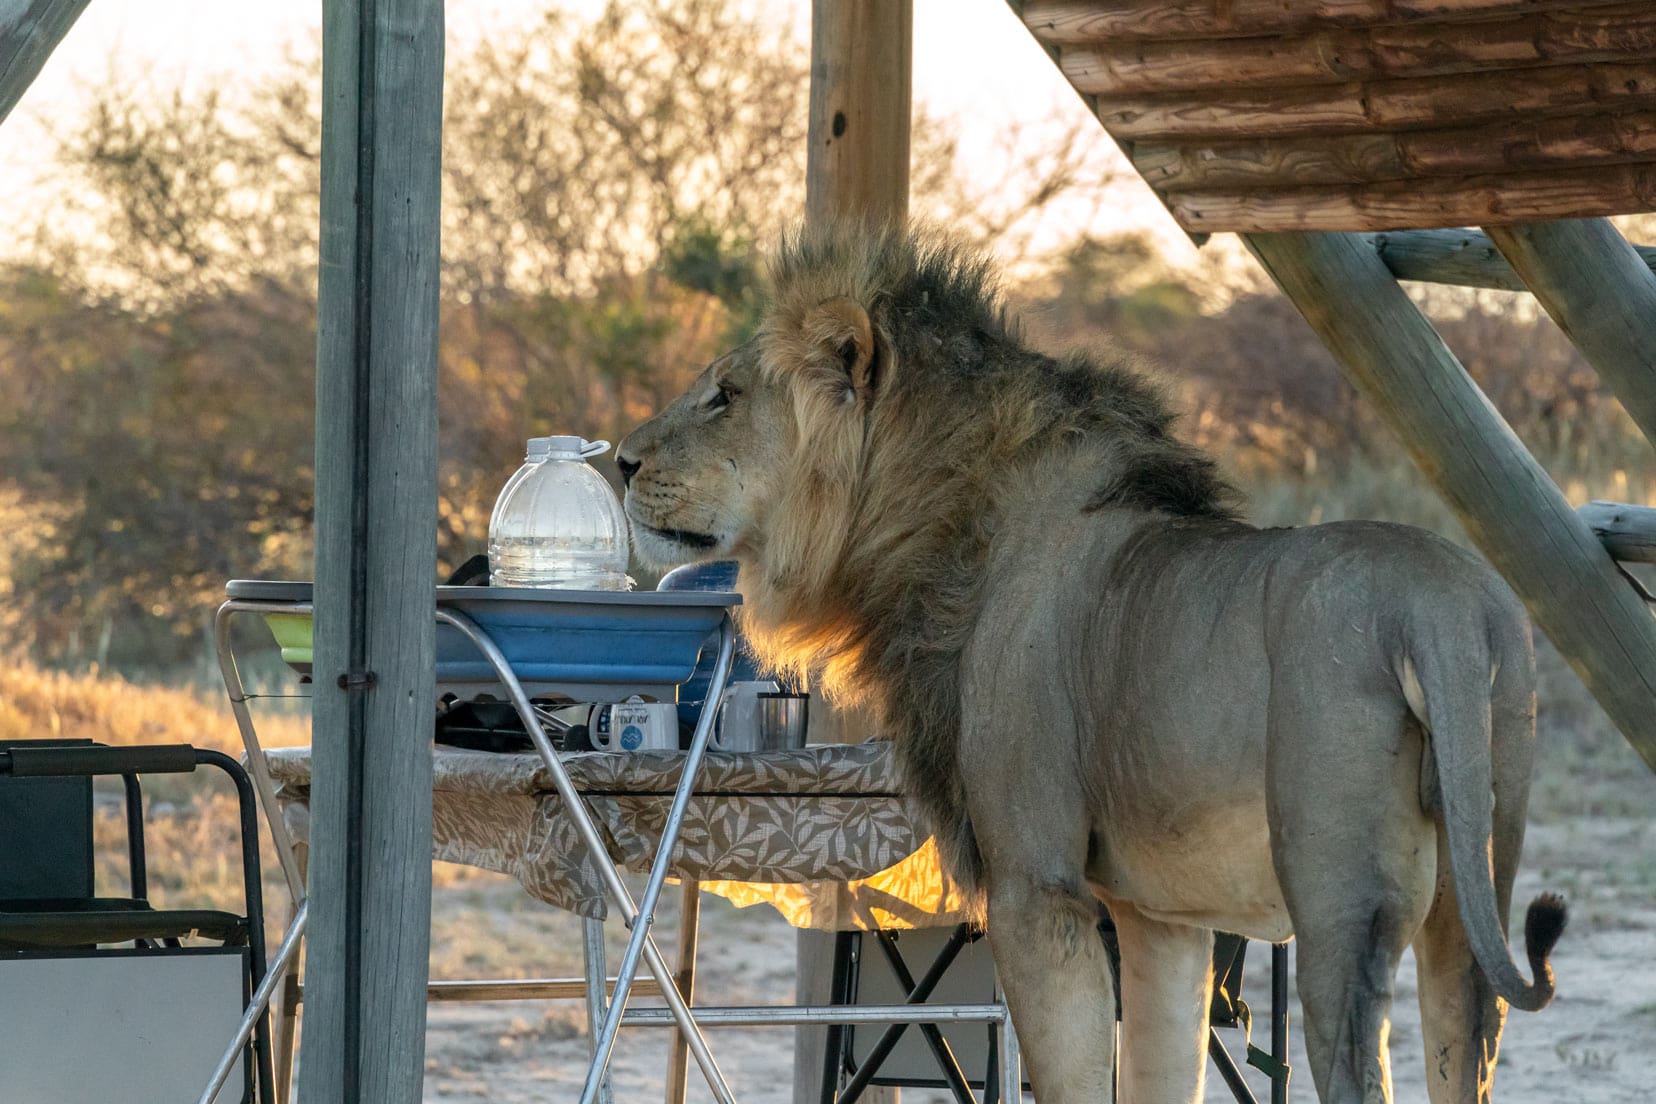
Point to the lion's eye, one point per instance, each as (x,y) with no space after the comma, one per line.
(720,398)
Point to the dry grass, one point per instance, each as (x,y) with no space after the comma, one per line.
(37,703)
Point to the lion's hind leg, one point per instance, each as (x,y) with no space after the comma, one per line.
(1460,1015)
(1356,858)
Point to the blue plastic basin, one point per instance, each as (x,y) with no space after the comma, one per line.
(578,637)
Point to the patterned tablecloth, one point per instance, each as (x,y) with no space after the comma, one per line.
(822,834)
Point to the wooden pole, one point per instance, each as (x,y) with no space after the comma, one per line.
(376,524)
(1463,258)
(1510,507)
(857,163)
(1601,293)
(1627,531)
(29,31)
(856,167)
(678,1052)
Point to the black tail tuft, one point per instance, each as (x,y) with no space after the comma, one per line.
(1543,924)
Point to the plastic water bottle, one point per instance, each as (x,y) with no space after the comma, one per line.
(539,449)
(558,523)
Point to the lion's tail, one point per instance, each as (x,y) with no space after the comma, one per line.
(1456,712)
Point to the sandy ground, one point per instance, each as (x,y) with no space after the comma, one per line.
(1596,1043)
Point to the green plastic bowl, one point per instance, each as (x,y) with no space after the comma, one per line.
(293,635)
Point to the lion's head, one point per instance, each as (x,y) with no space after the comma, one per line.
(854,455)
(854,447)
(700,475)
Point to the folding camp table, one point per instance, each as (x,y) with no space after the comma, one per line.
(490,669)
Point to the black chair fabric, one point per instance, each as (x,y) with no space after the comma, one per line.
(45,833)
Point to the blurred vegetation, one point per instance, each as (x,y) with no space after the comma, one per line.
(608,184)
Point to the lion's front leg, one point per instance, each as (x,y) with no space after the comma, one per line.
(1029,815)
(1056,973)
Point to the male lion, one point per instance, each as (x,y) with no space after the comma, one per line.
(1102,684)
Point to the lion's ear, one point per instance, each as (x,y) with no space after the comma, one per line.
(840,333)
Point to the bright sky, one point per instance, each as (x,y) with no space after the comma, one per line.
(973,65)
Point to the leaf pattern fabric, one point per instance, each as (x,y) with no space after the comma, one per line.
(822,834)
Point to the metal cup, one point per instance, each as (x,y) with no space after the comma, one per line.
(782,721)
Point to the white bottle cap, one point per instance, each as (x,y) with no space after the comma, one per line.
(575,448)
(539,449)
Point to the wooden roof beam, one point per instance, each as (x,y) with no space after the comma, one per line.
(1601,292)
(1463,258)
(1510,507)
(1453,201)
(1063,22)
(1127,67)
(29,31)
(1387,105)
(1591,140)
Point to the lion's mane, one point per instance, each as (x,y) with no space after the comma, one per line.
(871,562)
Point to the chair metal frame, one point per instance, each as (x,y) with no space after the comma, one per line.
(607,1013)
(59,759)
(839,1059)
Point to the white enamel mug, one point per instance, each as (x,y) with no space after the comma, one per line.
(737,727)
(634,725)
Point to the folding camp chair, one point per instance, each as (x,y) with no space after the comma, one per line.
(962,1059)
(57,933)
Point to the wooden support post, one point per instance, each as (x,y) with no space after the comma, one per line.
(857,162)
(29,31)
(1601,293)
(376,524)
(857,167)
(1510,507)
(678,1051)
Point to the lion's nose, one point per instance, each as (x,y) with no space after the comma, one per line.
(629,468)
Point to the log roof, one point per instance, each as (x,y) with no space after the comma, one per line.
(1259,115)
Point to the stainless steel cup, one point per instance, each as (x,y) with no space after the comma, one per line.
(782,721)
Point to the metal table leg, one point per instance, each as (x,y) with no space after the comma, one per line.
(1011,1064)
(1229,1073)
(658,878)
(282,976)
(597,980)
(278,969)
(256,765)
(637,916)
